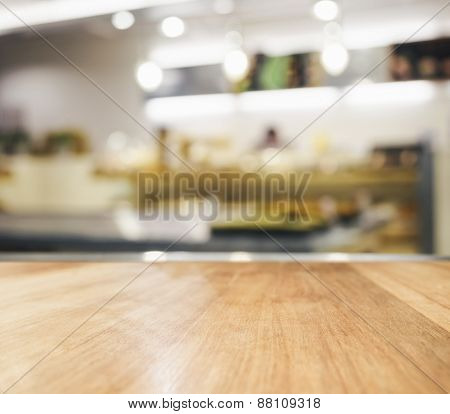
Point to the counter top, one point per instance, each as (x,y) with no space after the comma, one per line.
(225,327)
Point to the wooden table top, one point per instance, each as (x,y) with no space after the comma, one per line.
(276,327)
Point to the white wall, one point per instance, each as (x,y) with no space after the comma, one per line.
(51,94)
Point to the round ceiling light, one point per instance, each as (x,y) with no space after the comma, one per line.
(122,20)
(334,58)
(235,65)
(326,10)
(149,76)
(172,26)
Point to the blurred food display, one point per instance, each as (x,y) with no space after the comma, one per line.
(207,88)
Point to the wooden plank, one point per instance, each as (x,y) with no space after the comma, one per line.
(43,302)
(423,341)
(423,286)
(211,327)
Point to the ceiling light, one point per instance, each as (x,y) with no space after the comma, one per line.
(334,58)
(172,26)
(223,6)
(122,20)
(51,11)
(149,76)
(326,10)
(235,65)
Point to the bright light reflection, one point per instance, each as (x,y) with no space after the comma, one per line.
(334,58)
(405,93)
(155,255)
(181,107)
(285,100)
(240,257)
(326,10)
(235,65)
(149,76)
(172,27)
(122,20)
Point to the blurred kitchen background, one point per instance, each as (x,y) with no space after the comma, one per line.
(225,84)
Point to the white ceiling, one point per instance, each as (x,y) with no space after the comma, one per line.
(17,14)
(286,26)
(270,26)
(48,11)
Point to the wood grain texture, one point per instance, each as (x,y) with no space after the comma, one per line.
(423,286)
(423,341)
(225,327)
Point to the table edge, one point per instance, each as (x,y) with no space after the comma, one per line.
(238,256)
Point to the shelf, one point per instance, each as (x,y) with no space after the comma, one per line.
(175,108)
